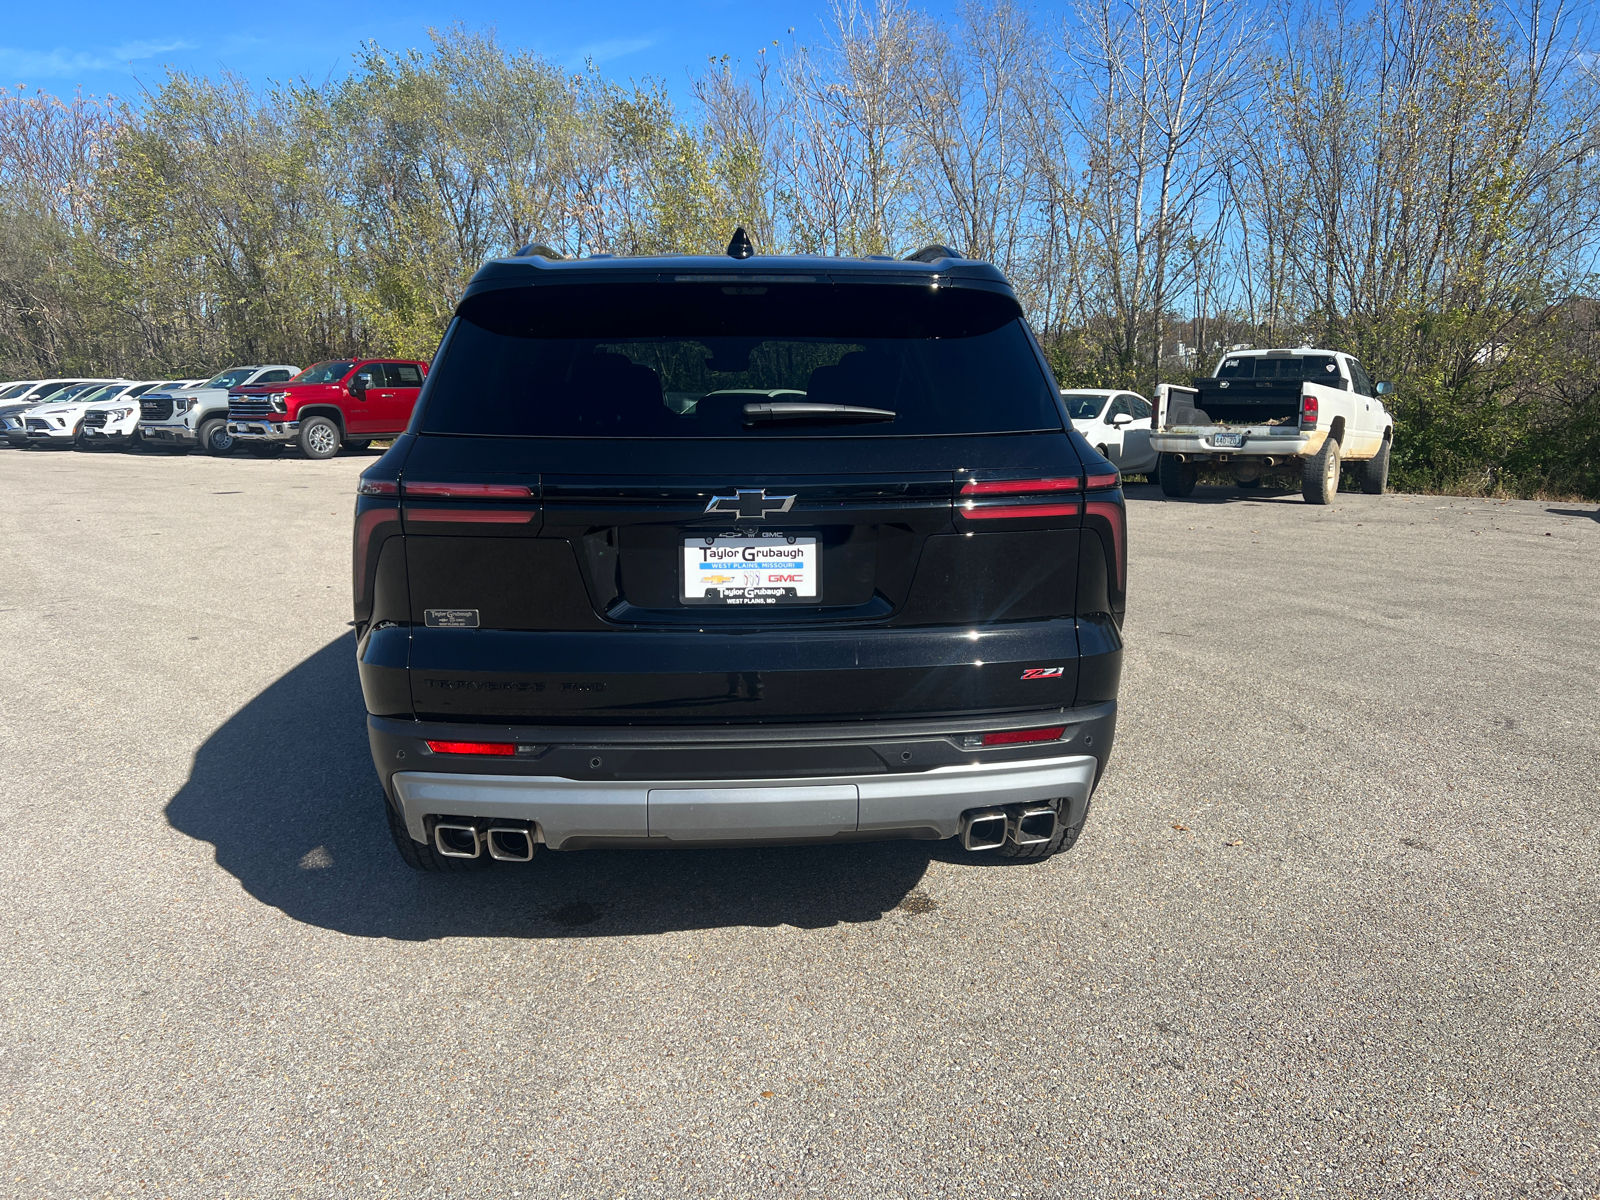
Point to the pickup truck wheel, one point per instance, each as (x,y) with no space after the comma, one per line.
(319,437)
(1375,471)
(265,449)
(425,858)
(1065,839)
(1177,479)
(1249,483)
(215,439)
(1319,474)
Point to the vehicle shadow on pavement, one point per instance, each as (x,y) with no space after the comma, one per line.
(286,793)
(1592,514)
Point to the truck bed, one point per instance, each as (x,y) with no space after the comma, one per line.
(1238,402)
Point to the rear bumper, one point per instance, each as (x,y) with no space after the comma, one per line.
(252,430)
(627,786)
(573,814)
(1202,446)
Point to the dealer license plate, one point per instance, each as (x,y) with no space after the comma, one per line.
(773,568)
(1227,439)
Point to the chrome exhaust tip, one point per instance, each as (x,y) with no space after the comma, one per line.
(1031,824)
(452,840)
(984,828)
(510,843)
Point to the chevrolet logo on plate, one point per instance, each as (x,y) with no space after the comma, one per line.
(750,505)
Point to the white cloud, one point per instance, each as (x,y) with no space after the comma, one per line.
(62,63)
(614,48)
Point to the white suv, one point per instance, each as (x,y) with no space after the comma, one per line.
(55,421)
(183,418)
(113,419)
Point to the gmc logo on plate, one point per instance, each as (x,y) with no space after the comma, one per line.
(1044,672)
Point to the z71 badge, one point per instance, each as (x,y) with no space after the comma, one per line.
(1044,672)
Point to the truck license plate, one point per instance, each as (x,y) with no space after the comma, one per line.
(771,568)
(1227,439)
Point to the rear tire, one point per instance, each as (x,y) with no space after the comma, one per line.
(1177,479)
(1248,483)
(319,438)
(215,439)
(1319,474)
(1375,471)
(1065,839)
(264,449)
(427,858)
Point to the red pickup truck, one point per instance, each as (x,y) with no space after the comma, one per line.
(346,402)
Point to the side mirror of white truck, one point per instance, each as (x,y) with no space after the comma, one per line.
(1384,387)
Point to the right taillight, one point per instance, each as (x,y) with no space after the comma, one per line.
(1308,412)
(1017,499)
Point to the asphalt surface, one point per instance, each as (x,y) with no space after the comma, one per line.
(1331,930)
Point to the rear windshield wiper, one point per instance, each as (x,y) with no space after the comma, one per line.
(800,410)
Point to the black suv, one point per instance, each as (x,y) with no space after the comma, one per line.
(703,551)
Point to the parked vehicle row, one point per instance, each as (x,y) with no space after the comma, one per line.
(264,408)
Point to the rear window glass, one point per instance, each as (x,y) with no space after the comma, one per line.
(745,360)
(1083,407)
(1320,368)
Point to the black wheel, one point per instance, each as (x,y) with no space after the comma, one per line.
(1249,483)
(1065,839)
(1177,478)
(319,438)
(1375,471)
(215,439)
(1319,474)
(426,858)
(357,445)
(264,449)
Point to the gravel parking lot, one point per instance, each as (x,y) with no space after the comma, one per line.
(1332,928)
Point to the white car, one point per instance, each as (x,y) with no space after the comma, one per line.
(23,395)
(113,419)
(1115,422)
(55,422)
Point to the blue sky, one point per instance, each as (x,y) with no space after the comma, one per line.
(114,47)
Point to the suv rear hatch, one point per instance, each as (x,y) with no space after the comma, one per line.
(617,508)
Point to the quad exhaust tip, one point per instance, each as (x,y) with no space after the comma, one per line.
(456,840)
(510,844)
(505,843)
(1023,824)
(984,828)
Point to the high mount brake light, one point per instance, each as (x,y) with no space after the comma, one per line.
(469,491)
(501,748)
(377,487)
(1308,412)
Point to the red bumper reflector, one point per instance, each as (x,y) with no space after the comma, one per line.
(470,491)
(1012,737)
(1013,512)
(473,747)
(1017,487)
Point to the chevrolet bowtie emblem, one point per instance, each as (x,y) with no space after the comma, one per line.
(750,505)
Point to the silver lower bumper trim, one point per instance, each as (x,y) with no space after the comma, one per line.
(927,803)
(265,431)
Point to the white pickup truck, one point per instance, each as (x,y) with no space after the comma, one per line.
(1265,408)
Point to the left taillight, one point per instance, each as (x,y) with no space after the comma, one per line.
(377,516)
(377,487)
